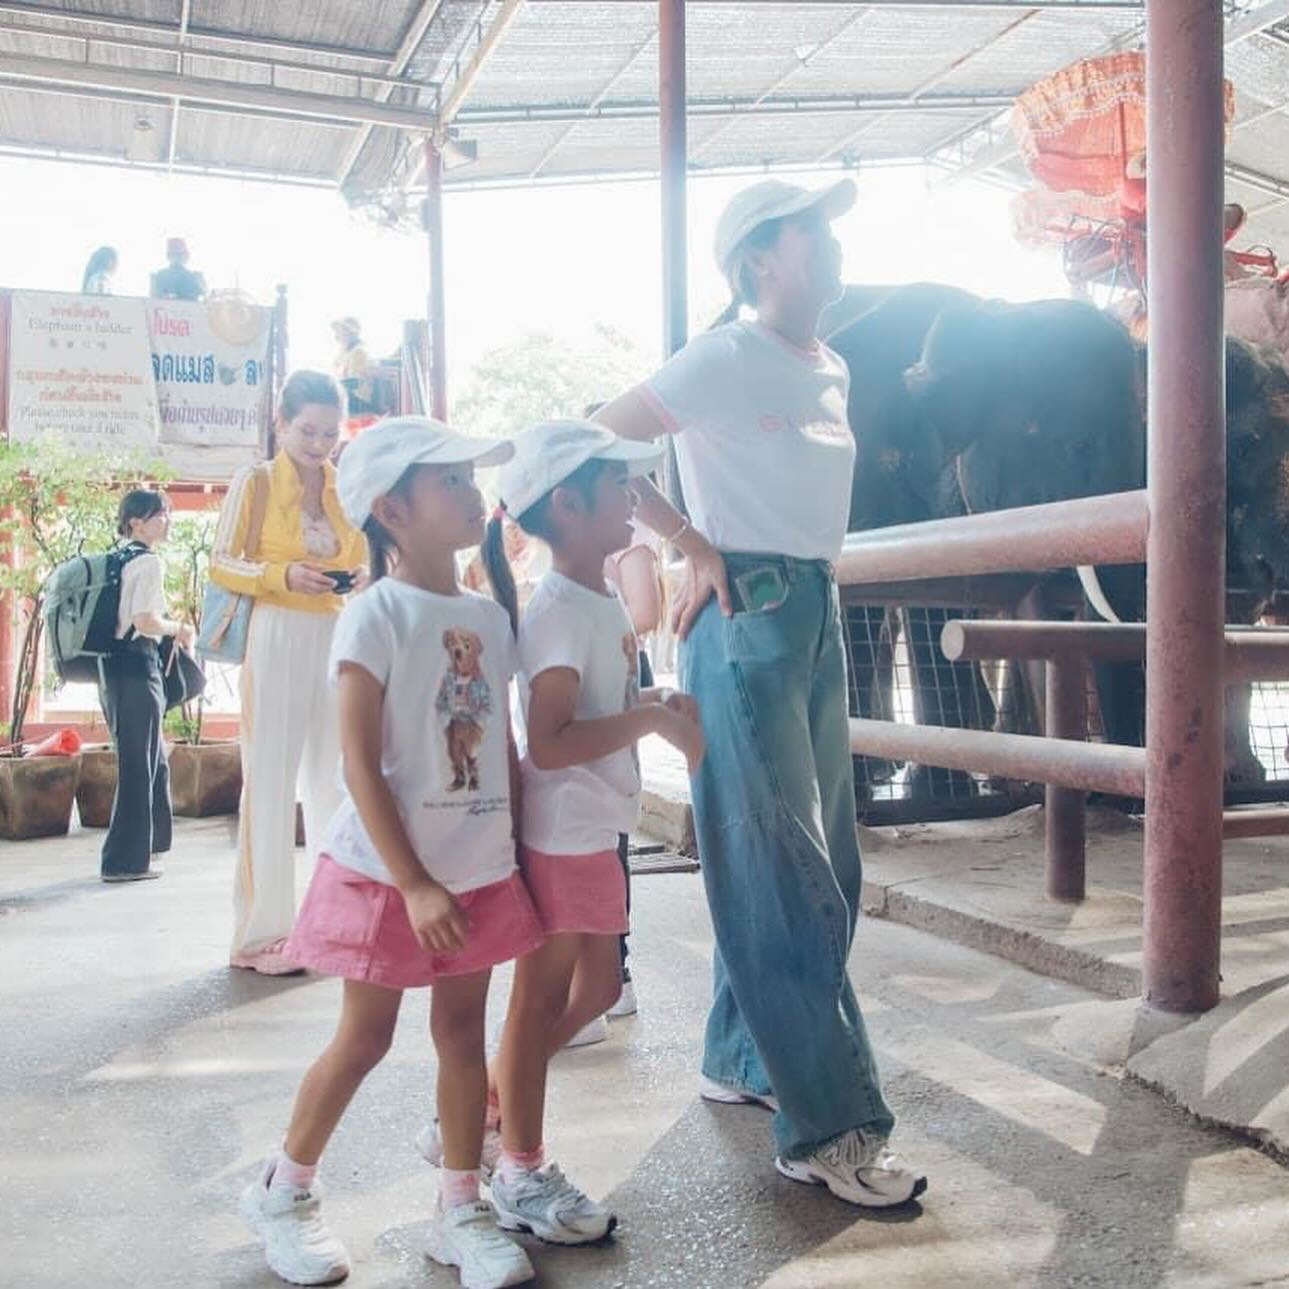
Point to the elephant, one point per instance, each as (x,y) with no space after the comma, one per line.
(960,405)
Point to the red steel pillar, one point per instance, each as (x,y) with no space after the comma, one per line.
(1187,495)
(673,143)
(436,313)
(7,605)
(672,132)
(1064,808)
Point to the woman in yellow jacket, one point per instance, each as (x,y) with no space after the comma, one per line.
(289,726)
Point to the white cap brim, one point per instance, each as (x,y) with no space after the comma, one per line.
(640,458)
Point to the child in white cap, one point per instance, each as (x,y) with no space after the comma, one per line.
(416,882)
(569,485)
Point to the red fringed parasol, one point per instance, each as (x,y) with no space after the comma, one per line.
(1082,132)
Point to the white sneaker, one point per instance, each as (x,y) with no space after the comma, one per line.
(722,1094)
(595,1031)
(429,1144)
(467,1237)
(626,1004)
(546,1204)
(297,1244)
(859,1168)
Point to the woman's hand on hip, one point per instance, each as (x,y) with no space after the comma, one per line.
(437,920)
(704,577)
(308,579)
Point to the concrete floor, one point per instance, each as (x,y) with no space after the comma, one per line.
(141,1081)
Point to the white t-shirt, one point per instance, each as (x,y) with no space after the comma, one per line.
(142,591)
(445,662)
(763,443)
(580,810)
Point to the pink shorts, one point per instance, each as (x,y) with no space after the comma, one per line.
(354,927)
(586,893)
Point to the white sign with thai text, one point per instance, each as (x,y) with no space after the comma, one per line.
(79,368)
(209,364)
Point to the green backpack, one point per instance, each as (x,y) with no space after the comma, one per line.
(82,601)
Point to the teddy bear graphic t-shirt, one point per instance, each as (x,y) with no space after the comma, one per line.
(445,663)
(582,809)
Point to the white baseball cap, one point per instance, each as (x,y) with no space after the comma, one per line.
(547,453)
(774,199)
(379,457)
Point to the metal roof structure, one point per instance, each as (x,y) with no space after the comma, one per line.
(338,93)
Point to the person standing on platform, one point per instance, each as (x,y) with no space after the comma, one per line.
(288,716)
(99,272)
(177,281)
(133,699)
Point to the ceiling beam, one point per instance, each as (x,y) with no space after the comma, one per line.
(708,109)
(147,26)
(326,107)
(144,101)
(488,42)
(185,17)
(156,43)
(416,31)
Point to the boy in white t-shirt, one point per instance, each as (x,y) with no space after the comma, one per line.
(583,715)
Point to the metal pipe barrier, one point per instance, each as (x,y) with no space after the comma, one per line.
(1069,763)
(1249,653)
(1063,534)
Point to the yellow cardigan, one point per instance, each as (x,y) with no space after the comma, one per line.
(282,540)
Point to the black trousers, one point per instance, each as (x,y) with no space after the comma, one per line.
(134,704)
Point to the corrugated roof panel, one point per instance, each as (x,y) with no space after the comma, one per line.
(147,10)
(1259,68)
(568,54)
(371,25)
(260,144)
(66,123)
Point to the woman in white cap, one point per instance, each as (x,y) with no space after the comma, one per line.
(757,409)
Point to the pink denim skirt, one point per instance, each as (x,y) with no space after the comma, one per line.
(354,927)
(583,893)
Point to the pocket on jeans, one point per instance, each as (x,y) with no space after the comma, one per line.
(761,636)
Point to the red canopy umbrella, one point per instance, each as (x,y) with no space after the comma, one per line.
(1082,132)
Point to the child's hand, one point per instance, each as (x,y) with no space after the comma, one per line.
(683,732)
(684,704)
(437,922)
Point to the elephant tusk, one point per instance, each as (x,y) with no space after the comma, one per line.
(1096,596)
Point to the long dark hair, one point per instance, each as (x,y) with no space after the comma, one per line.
(741,279)
(535,521)
(103,259)
(305,387)
(141,504)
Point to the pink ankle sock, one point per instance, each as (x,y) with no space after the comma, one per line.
(286,1172)
(514,1162)
(457,1187)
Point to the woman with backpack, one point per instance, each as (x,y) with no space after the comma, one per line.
(133,698)
(284,541)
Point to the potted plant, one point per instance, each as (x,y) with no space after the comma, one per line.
(55,502)
(205,775)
